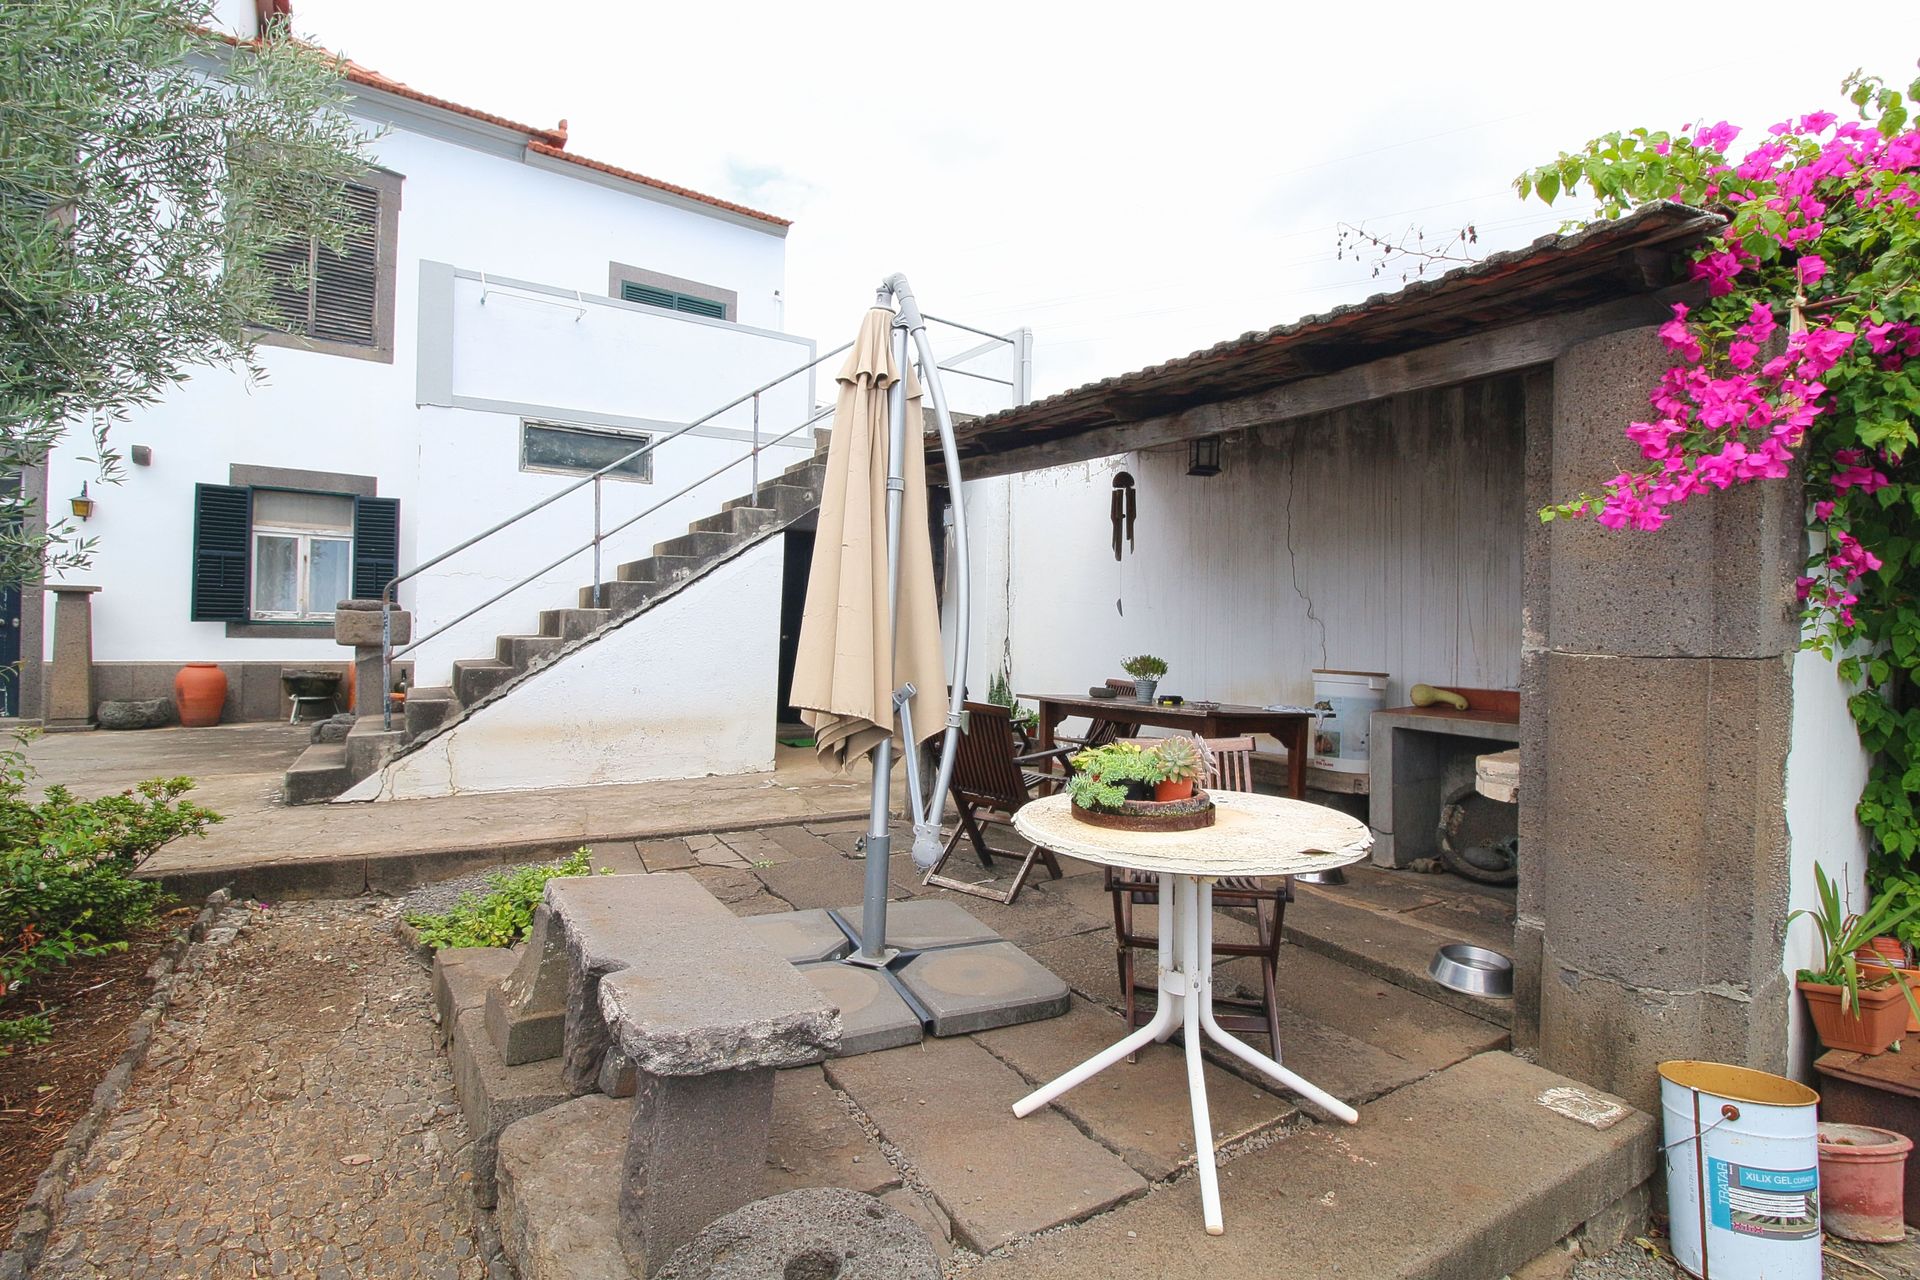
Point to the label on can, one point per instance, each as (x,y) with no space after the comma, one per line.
(1776,1204)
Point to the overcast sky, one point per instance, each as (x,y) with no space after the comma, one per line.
(1134,182)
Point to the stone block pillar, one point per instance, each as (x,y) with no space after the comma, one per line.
(70,691)
(357,623)
(1656,700)
(697,1151)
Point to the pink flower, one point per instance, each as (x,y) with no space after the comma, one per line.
(1678,340)
(1759,326)
(1740,353)
(1718,270)
(1811,267)
(1817,121)
(1716,137)
(1823,511)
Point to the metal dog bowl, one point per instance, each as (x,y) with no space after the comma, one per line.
(1475,971)
(1332,875)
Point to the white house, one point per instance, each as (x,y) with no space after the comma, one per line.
(513,314)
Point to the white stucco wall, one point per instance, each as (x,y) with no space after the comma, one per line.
(1383,539)
(1826,767)
(454,471)
(684,690)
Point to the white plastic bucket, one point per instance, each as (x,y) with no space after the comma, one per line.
(1347,700)
(1743,1172)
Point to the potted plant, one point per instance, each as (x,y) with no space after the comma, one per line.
(1146,671)
(1183,764)
(1105,778)
(1851,1009)
(1026,721)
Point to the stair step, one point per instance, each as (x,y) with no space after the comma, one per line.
(737,520)
(369,744)
(699,546)
(319,774)
(572,624)
(822,438)
(625,597)
(519,652)
(809,474)
(428,709)
(789,500)
(475,678)
(659,568)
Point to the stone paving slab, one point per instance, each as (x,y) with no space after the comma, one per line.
(666,855)
(1042,913)
(978,987)
(820,881)
(1386,1016)
(1463,1176)
(947,1105)
(816,1142)
(1393,947)
(872,1014)
(1138,1110)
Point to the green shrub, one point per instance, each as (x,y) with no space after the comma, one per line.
(504,914)
(66,874)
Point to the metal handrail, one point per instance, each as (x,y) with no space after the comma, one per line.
(388,593)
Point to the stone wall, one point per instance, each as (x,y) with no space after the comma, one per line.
(1656,704)
(254,692)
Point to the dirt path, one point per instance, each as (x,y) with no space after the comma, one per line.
(294,1117)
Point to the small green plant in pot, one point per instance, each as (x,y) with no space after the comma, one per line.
(1183,764)
(1107,777)
(1855,1011)
(1146,671)
(1026,721)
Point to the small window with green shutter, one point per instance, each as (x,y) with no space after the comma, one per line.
(671,300)
(265,554)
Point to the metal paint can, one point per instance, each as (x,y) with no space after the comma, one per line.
(1347,701)
(1743,1172)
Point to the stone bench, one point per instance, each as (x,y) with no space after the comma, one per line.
(649,985)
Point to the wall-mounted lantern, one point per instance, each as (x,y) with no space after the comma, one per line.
(82,504)
(1203,456)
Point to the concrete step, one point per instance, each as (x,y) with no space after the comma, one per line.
(822,438)
(737,520)
(789,500)
(475,678)
(699,545)
(572,624)
(319,774)
(807,475)
(369,744)
(625,597)
(428,709)
(657,568)
(1361,1200)
(519,652)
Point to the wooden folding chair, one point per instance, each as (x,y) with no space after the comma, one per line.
(990,782)
(1232,771)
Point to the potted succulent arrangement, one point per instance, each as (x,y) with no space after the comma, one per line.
(1142,788)
(1855,1007)
(1146,671)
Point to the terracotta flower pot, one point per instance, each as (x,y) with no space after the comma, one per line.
(199,692)
(1879,1019)
(1885,947)
(1165,791)
(1874,971)
(1862,1175)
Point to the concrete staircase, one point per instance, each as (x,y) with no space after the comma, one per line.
(325,770)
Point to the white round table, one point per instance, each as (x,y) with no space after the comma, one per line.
(1252,835)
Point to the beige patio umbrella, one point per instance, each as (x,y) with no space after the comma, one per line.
(848,665)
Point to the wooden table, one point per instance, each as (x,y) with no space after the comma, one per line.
(1252,835)
(1227,720)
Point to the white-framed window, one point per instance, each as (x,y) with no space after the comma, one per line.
(302,554)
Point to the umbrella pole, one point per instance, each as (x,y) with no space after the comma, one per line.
(873,914)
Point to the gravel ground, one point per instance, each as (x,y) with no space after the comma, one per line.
(294,1117)
(1843,1260)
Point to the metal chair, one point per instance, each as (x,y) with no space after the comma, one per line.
(1232,770)
(990,782)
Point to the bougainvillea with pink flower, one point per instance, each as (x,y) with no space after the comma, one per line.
(1796,359)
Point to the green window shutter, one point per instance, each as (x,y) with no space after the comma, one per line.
(632,291)
(222,547)
(376,545)
(346,285)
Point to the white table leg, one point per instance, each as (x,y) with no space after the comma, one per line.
(1165,1020)
(1192,898)
(1245,1052)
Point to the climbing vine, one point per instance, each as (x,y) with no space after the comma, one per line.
(1802,354)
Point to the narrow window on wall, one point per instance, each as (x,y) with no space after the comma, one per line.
(672,300)
(302,554)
